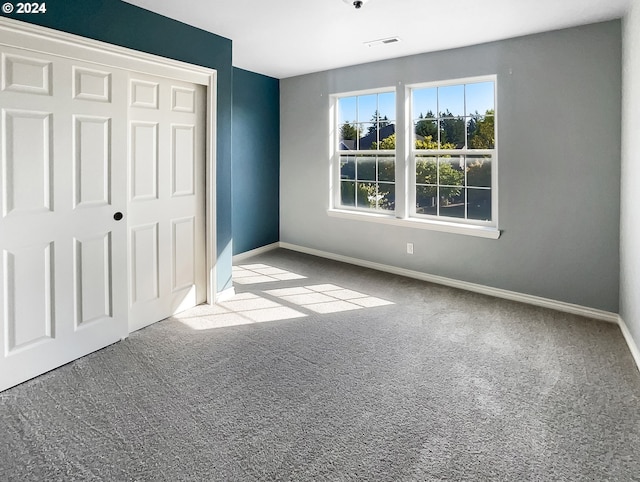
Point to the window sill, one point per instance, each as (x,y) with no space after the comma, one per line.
(433,225)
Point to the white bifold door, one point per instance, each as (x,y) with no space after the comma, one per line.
(102,206)
(165,216)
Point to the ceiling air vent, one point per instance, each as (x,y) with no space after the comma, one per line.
(382,41)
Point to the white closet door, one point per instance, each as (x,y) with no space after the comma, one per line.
(166,206)
(63,255)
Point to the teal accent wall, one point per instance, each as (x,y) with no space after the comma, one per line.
(256,160)
(122,24)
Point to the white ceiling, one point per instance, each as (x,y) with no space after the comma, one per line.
(283,38)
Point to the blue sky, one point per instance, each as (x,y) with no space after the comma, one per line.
(478,97)
(366,106)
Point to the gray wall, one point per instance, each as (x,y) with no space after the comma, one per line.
(559,177)
(630,215)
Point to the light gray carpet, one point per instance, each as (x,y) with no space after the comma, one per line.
(440,385)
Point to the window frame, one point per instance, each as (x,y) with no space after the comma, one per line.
(405,175)
(413,154)
(336,182)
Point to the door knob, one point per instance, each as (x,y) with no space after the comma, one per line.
(118,216)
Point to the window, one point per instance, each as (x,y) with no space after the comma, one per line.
(453,151)
(366,151)
(437,170)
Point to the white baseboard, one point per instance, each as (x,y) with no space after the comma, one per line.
(254,252)
(633,348)
(476,288)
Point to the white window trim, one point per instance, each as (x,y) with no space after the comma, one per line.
(412,152)
(429,224)
(405,214)
(334,170)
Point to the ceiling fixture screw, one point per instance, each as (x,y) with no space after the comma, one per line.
(358,4)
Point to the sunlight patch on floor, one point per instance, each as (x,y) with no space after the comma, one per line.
(275,304)
(327,298)
(261,273)
(242,309)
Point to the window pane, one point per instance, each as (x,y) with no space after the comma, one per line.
(452,202)
(348,193)
(479,171)
(451,171)
(426,134)
(472,127)
(367,107)
(387,105)
(426,170)
(427,200)
(366,168)
(448,118)
(368,136)
(347,167)
(481,132)
(446,185)
(366,195)
(479,204)
(451,100)
(452,134)
(347,110)
(386,196)
(386,168)
(479,98)
(367,122)
(386,136)
(348,137)
(425,102)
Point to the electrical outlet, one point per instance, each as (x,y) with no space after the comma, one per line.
(409,248)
